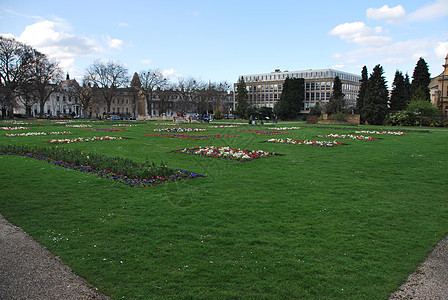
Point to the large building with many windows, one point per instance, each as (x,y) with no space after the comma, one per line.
(264,90)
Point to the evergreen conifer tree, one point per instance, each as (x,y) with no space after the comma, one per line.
(420,80)
(398,96)
(376,97)
(241,98)
(362,92)
(407,88)
(291,100)
(337,102)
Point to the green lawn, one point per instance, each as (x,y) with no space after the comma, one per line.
(346,222)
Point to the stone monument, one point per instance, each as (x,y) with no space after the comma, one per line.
(141,105)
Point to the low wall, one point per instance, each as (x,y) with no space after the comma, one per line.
(352,119)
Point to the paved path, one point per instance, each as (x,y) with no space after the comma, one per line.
(29,271)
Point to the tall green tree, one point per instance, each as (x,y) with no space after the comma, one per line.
(376,97)
(398,99)
(337,101)
(362,93)
(420,80)
(292,98)
(407,88)
(241,98)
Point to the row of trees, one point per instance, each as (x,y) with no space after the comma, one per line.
(373,102)
(28,77)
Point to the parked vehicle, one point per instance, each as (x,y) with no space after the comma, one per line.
(114,118)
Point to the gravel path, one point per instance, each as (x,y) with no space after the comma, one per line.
(430,280)
(29,271)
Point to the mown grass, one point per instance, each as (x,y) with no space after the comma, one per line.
(347,222)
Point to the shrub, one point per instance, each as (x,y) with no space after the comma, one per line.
(218,115)
(312,120)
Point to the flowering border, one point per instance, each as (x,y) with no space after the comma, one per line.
(262,132)
(179,129)
(14,128)
(78,126)
(133,182)
(37,133)
(306,142)
(348,137)
(192,137)
(241,155)
(105,129)
(80,139)
(382,132)
(284,128)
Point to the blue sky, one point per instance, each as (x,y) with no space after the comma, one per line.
(221,40)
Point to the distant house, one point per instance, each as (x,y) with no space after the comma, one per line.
(439,89)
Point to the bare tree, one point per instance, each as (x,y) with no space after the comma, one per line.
(152,80)
(108,77)
(27,96)
(86,97)
(16,61)
(46,77)
(188,91)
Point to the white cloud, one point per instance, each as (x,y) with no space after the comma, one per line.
(390,14)
(115,43)
(146,61)
(338,66)
(359,33)
(436,9)
(47,37)
(123,24)
(441,50)
(8,35)
(171,74)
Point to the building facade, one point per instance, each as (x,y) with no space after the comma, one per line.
(264,90)
(438,88)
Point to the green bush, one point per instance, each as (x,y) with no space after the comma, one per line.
(218,115)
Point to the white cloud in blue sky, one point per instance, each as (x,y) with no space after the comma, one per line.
(213,40)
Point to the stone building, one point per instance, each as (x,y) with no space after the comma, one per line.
(439,90)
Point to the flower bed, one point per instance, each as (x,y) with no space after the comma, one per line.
(79,126)
(348,137)
(37,133)
(179,129)
(80,139)
(306,142)
(382,132)
(14,128)
(224,126)
(226,153)
(284,128)
(119,169)
(105,129)
(192,137)
(262,132)
(124,125)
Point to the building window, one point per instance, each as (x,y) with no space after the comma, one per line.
(307,86)
(312,86)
